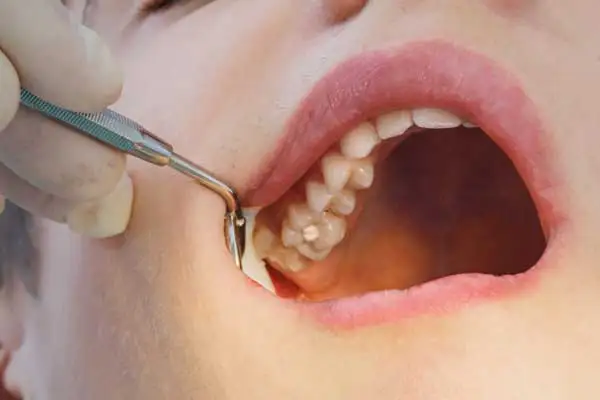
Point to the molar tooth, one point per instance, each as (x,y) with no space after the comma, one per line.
(289,236)
(277,256)
(286,259)
(310,233)
(294,261)
(332,231)
(311,253)
(264,241)
(393,124)
(344,202)
(359,142)
(434,118)
(336,171)
(317,196)
(363,173)
(300,216)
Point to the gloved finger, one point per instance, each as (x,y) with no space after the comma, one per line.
(9,91)
(101,218)
(105,217)
(58,160)
(56,58)
(33,199)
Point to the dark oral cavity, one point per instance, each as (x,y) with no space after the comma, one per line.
(443,202)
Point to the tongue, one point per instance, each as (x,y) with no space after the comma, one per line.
(444,202)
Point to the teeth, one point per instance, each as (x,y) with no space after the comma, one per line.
(312,230)
(363,173)
(290,237)
(253,263)
(287,259)
(310,233)
(433,118)
(344,202)
(317,196)
(309,252)
(294,261)
(336,171)
(393,124)
(359,142)
(331,232)
(264,241)
(300,216)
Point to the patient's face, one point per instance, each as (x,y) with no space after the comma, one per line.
(326,114)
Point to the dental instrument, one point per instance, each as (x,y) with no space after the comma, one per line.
(125,135)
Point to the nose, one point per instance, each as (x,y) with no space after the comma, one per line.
(341,10)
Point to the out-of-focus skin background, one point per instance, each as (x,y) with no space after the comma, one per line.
(4,395)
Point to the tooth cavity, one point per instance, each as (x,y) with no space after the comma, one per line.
(344,202)
(336,171)
(363,173)
(317,196)
(310,233)
(359,142)
(433,118)
(393,124)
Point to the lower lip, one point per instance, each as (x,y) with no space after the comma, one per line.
(435,298)
(440,297)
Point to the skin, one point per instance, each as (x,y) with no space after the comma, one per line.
(162,312)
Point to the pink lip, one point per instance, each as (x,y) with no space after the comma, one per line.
(424,74)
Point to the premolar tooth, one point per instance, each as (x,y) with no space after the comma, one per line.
(332,230)
(336,171)
(290,237)
(469,125)
(300,216)
(393,124)
(359,142)
(363,173)
(317,196)
(344,202)
(434,118)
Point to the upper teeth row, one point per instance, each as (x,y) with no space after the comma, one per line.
(314,228)
(359,142)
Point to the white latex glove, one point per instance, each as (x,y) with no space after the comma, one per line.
(45,168)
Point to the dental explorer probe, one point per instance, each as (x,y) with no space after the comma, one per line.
(125,135)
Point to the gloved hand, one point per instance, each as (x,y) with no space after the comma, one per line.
(45,168)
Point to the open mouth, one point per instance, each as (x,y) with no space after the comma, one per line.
(408,198)
(405,177)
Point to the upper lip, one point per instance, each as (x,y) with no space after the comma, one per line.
(420,74)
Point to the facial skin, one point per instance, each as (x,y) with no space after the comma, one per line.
(162,312)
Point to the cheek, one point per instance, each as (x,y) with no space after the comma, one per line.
(199,69)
